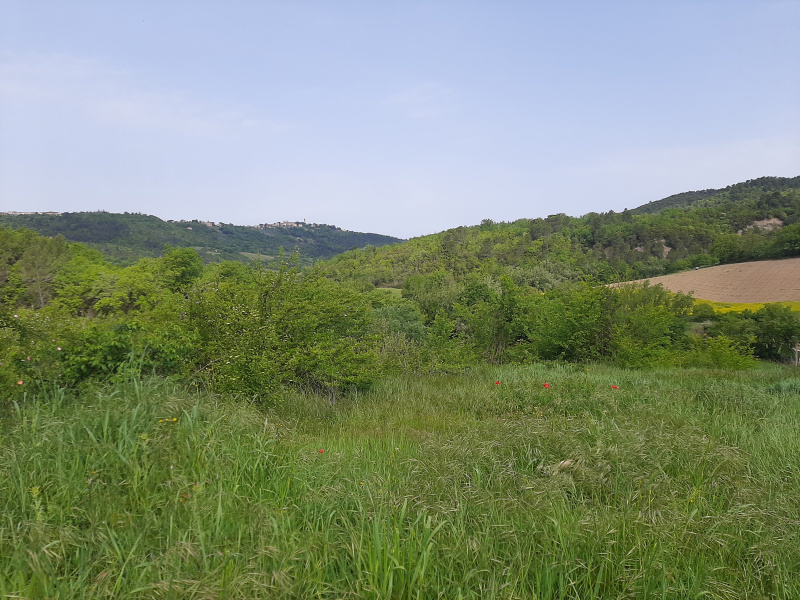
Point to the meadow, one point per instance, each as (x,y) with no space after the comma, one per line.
(606,483)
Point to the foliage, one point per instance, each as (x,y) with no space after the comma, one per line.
(720,352)
(715,226)
(497,293)
(771,332)
(113,350)
(258,329)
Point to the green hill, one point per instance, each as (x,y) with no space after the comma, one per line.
(752,189)
(127,237)
(755,220)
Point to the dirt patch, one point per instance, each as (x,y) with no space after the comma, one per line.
(764,225)
(763,281)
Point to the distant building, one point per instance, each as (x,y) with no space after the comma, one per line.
(294,224)
(14,213)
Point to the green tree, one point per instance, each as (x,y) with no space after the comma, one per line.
(38,266)
(778,331)
(258,329)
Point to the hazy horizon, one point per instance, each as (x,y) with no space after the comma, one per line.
(402,119)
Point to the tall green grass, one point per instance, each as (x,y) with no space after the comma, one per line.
(679,484)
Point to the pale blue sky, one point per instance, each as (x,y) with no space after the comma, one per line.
(403,118)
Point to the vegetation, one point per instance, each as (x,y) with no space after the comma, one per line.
(730,225)
(724,307)
(486,427)
(125,238)
(679,484)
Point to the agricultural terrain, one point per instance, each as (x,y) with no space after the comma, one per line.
(752,282)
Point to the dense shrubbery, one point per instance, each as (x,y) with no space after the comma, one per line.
(258,329)
(67,315)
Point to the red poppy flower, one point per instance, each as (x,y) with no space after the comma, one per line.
(321,450)
(614,387)
(497,383)
(546,386)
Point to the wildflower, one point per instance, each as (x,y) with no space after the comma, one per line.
(546,386)
(19,382)
(58,348)
(161,420)
(614,387)
(174,418)
(320,450)
(497,383)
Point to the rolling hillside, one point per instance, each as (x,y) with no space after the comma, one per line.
(754,220)
(127,237)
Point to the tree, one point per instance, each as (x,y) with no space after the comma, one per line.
(778,331)
(38,266)
(258,329)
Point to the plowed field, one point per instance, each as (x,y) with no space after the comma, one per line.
(763,281)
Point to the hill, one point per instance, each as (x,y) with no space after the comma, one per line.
(127,237)
(755,220)
(747,190)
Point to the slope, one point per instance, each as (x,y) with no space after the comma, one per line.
(127,237)
(605,247)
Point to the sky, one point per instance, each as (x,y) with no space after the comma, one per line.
(397,117)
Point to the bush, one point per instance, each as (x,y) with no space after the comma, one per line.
(258,329)
(719,352)
(109,350)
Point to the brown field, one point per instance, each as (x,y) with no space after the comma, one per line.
(763,281)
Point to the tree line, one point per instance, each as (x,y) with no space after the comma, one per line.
(69,316)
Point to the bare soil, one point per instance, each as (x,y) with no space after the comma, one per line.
(763,281)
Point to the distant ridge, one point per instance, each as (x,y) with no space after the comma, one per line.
(733,192)
(127,237)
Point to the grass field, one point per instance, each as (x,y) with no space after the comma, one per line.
(679,484)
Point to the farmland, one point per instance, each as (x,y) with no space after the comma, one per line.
(752,282)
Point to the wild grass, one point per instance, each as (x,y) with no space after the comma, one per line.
(679,484)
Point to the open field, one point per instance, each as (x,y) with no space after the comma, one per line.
(753,282)
(678,484)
